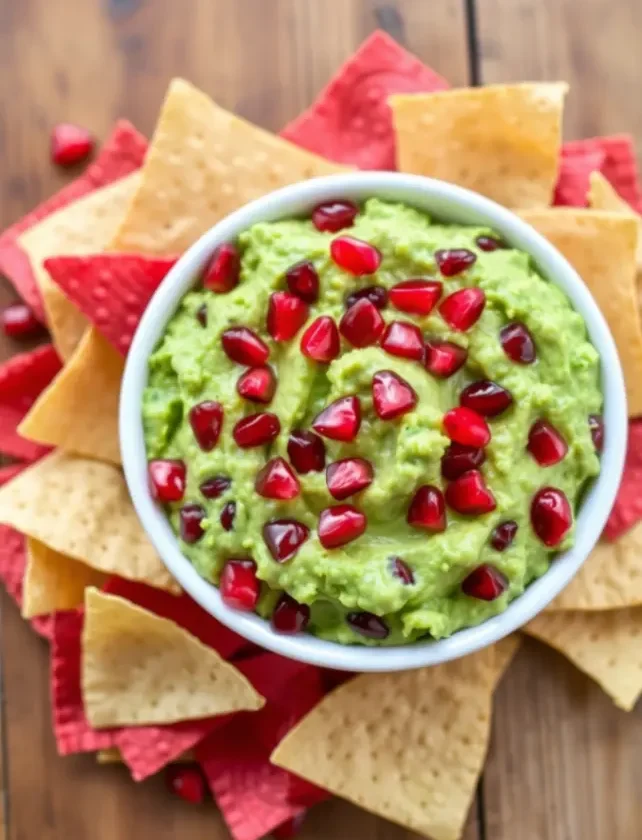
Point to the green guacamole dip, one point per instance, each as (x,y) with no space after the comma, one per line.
(561,387)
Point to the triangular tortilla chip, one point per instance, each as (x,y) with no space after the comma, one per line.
(601,246)
(78,412)
(54,581)
(605,645)
(84,227)
(203,163)
(138,668)
(81,508)
(408,746)
(500,140)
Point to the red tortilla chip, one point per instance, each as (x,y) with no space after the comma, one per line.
(619,166)
(122,153)
(576,165)
(627,509)
(112,290)
(350,121)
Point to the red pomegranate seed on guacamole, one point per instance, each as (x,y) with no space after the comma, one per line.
(290,616)
(453,261)
(19,321)
(485,583)
(518,343)
(551,516)
(201,315)
(257,384)
(392,396)
(546,444)
(377,296)
(427,509)
(403,339)
(339,525)
(321,341)
(503,535)
(401,570)
(348,476)
(244,346)
(287,313)
(332,216)
(306,451)
(223,270)
(284,537)
(489,243)
(191,517)
(417,296)
(256,430)
(469,495)
(458,459)
(596,427)
(167,479)
(341,420)
(303,281)
(486,398)
(362,324)
(228,514)
(239,586)
(462,309)
(465,426)
(206,420)
(70,144)
(277,481)
(213,488)
(443,358)
(186,782)
(355,256)
(368,625)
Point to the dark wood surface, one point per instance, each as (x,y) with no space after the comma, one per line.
(564,763)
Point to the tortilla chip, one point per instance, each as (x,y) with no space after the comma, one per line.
(500,140)
(138,668)
(81,508)
(602,196)
(408,746)
(84,227)
(113,756)
(78,412)
(203,163)
(54,581)
(605,645)
(601,247)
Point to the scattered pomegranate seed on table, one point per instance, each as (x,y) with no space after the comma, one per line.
(303,281)
(239,586)
(19,321)
(306,451)
(368,624)
(257,384)
(485,583)
(256,430)
(443,358)
(462,309)
(551,516)
(333,216)
(546,444)
(290,828)
(453,261)
(167,479)
(214,487)
(277,481)
(401,570)
(518,343)
(349,476)
(222,272)
(70,144)
(206,420)
(377,296)
(321,341)
(392,396)
(458,459)
(355,256)
(284,537)
(416,297)
(287,313)
(469,495)
(191,517)
(403,339)
(465,426)
(290,616)
(486,398)
(339,525)
(362,324)
(227,516)
(503,535)
(186,782)
(242,345)
(341,420)
(427,509)
(596,427)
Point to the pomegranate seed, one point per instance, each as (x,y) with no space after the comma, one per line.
(186,782)
(377,296)
(546,444)
(244,346)
(339,525)
(355,256)
(462,309)
(321,340)
(289,616)
(290,828)
(362,324)
(303,281)
(206,420)
(214,487)
(489,243)
(402,570)
(458,459)
(223,270)
(191,516)
(417,297)
(392,396)
(518,343)
(453,261)
(201,315)
(227,516)
(332,216)
(367,624)
(551,516)
(443,358)
(284,537)
(167,479)
(503,535)
(257,384)
(469,495)
(403,339)
(287,313)
(341,420)
(485,583)
(18,321)
(427,509)
(256,430)
(596,426)
(239,586)
(306,451)
(486,398)
(349,476)
(70,144)
(277,481)
(465,426)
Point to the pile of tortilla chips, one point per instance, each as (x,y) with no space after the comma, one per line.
(139,672)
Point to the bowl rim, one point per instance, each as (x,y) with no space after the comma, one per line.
(452,203)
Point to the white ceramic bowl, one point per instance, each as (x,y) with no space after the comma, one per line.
(448,203)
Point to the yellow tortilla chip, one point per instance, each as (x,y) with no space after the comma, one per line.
(78,412)
(113,756)
(601,247)
(138,668)
(84,227)
(81,508)
(407,746)
(500,140)
(54,581)
(204,162)
(605,645)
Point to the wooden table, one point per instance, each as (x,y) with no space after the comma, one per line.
(564,763)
